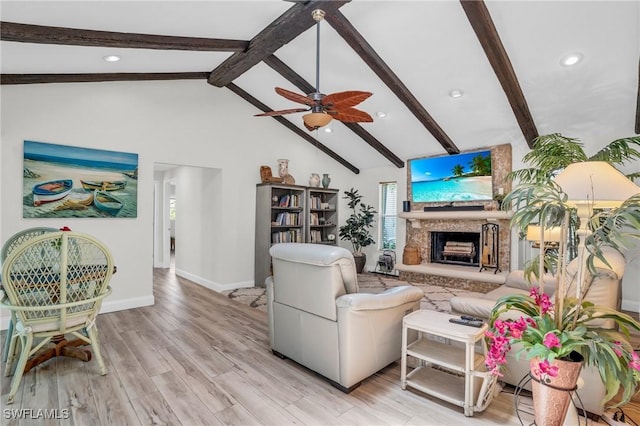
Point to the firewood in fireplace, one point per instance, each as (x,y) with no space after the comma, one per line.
(459,249)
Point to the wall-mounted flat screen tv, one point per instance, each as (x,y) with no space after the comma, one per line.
(451,178)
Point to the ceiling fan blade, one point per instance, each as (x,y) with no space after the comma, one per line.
(351,115)
(295,97)
(281,112)
(341,100)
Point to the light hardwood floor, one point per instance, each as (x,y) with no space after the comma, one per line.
(199,358)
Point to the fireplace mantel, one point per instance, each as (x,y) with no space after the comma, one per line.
(488,215)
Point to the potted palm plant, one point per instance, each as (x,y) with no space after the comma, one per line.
(568,328)
(356,229)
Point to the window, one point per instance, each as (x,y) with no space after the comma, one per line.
(388,218)
(172,209)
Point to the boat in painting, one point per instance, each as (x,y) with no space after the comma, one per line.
(107,203)
(133,174)
(104,185)
(52,190)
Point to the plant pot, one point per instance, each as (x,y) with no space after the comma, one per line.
(360,260)
(551,395)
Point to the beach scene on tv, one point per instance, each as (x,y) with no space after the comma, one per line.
(459,177)
(67,181)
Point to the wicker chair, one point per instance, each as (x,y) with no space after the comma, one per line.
(54,285)
(9,245)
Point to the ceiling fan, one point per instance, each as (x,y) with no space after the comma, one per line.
(323,108)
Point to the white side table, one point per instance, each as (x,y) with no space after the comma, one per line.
(454,380)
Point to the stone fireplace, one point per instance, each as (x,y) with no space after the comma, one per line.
(430,231)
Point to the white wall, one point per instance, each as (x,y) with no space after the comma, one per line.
(187,123)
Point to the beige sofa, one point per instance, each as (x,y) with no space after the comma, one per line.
(318,319)
(605,290)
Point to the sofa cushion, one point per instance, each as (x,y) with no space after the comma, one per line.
(517,279)
(481,306)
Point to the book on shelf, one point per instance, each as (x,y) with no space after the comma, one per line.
(289,200)
(287,219)
(316,236)
(313,219)
(315,202)
(289,236)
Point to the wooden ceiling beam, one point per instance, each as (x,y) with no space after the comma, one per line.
(26,33)
(358,43)
(296,20)
(482,24)
(99,77)
(289,125)
(288,73)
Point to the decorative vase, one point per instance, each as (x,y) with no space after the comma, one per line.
(551,395)
(283,167)
(360,261)
(326,180)
(314,180)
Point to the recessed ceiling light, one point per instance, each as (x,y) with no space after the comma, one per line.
(111,58)
(328,129)
(571,59)
(456,93)
(381,114)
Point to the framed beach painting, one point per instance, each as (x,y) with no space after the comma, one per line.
(68,181)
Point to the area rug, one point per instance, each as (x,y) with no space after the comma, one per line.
(436,298)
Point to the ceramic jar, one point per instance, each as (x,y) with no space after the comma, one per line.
(283,167)
(314,180)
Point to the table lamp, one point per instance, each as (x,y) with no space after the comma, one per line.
(589,185)
(548,237)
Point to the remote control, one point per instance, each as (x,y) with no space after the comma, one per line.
(476,324)
(470,318)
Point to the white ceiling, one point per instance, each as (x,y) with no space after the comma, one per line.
(430,45)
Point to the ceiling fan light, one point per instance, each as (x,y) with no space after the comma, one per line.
(316,119)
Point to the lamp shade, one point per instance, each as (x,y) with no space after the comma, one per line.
(595,182)
(552,234)
(316,119)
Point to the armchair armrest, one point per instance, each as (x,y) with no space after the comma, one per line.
(390,298)
(370,330)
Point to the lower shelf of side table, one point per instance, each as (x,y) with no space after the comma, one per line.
(443,354)
(441,384)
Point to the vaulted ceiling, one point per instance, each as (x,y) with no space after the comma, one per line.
(504,56)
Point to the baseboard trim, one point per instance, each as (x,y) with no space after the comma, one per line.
(212,285)
(107,306)
(630,305)
(121,305)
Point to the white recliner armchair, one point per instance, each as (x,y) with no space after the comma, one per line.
(318,319)
(605,290)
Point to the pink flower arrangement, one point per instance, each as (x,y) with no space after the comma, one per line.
(543,333)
